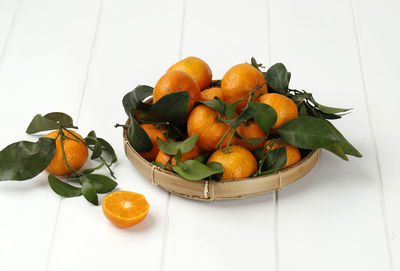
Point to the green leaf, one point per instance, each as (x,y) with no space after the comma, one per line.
(202,158)
(251,141)
(172,147)
(195,170)
(217,104)
(136,97)
(331,110)
(308,133)
(255,64)
(303,110)
(108,148)
(275,159)
(92,134)
(137,136)
(101,183)
(50,121)
(97,150)
(217,167)
(63,189)
(265,116)
(89,192)
(177,131)
(278,78)
(24,160)
(336,149)
(230,109)
(91,140)
(244,116)
(343,143)
(172,107)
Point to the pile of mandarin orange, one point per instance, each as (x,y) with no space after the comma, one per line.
(194,76)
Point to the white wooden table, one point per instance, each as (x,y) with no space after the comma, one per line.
(82,56)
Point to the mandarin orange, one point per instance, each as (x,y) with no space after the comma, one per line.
(196,68)
(76,153)
(237,163)
(176,81)
(239,81)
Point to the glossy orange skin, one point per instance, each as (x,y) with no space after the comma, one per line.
(124,208)
(204,122)
(196,68)
(176,81)
(163,158)
(292,153)
(238,163)
(239,81)
(284,107)
(153,133)
(76,153)
(210,94)
(250,129)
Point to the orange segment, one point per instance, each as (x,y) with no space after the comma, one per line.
(124,208)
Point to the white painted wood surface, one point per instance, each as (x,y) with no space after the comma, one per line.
(81,57)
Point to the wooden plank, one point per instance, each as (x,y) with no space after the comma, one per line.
(8,10)
(42,70)
(378,24)
(332,218)
(235,234)
(136,42)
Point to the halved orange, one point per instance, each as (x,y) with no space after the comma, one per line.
(125,208)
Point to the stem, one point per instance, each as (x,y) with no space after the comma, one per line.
(223,138)
(101,157)
(71,138)
(230,140)
(121,125)
(69,167)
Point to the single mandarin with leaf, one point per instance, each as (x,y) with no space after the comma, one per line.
(284,107)
(204,121)
(250,129)
(292,153)
(239,81)
(76,152)
(237,162)
(196,68)
(176,81)
(210,94)
(164,158)
(125,208)
(153,132)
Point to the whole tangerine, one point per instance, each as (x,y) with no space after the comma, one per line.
(76,152)
(203,121)
(239,81)
(284,107)
(250,129)
(211,93)
(196,68)
(153,132)
(176,81)
(292,153)
(237,163)
(164,158)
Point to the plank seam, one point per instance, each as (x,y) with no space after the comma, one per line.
(53,234)
(77,120)
(275,193)
(372,131)
(166,214)
(3,52)
(89,61)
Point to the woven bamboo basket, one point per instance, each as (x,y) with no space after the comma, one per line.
(220,190)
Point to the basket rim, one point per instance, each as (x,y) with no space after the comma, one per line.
(301,161)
